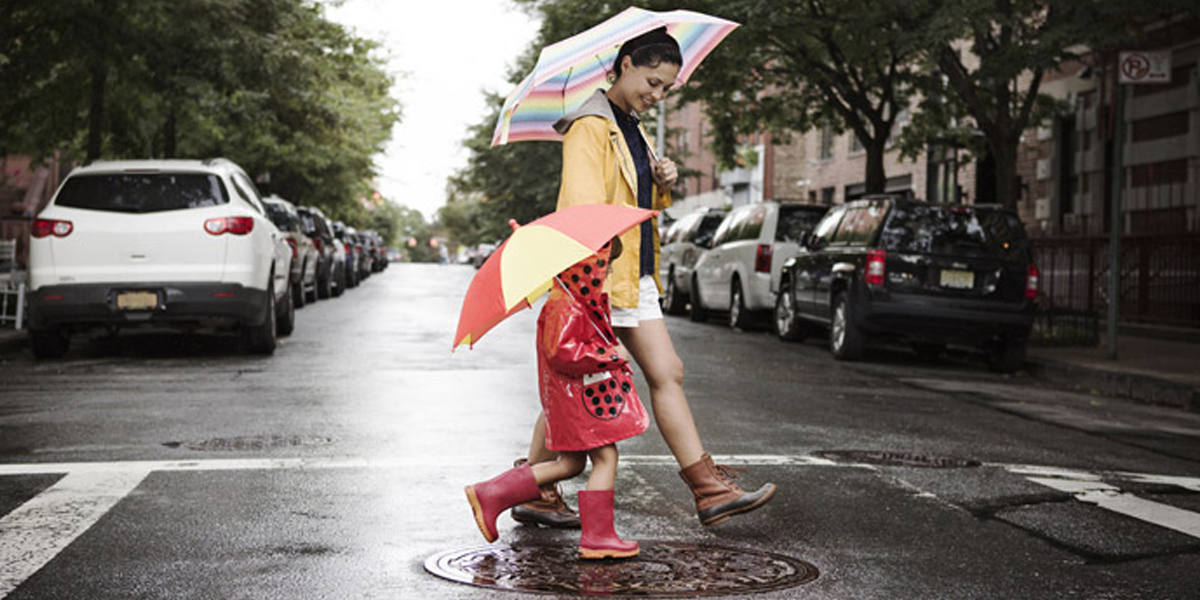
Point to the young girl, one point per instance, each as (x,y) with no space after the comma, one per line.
(606,159)
(589,404)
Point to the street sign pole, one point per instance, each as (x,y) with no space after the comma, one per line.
(1115,225)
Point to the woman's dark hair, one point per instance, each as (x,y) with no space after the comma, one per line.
(649,50)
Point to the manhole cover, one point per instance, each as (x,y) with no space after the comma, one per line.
(899,459)
(252,442)
(663,569)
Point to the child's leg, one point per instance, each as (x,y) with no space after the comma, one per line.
(604,468)
(537,446)
(599,539)
(568,465)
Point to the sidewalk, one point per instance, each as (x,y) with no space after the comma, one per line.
(1151,370)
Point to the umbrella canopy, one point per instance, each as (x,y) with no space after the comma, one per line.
(567,72)
(523,267)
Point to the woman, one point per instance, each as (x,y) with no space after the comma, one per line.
(607,159)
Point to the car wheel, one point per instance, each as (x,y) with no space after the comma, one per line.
(339,284)
(846,340)
(298,291)
(1006,356)
(49,343)
(697,313)
(324,284)
(261,338)
(739,317)
(788,325)
(673,301)
(285,323)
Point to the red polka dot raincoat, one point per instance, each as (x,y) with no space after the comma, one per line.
(586,388)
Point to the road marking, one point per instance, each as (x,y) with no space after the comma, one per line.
(38,530)
(1111,498)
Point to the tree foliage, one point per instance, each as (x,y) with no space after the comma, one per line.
(792,66)
(298,101)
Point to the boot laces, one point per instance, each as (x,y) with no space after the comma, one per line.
(729,473)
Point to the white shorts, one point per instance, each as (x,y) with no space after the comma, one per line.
(647,308)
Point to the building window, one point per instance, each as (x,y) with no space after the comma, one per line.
(1163,173)
(827,196)
(855,144)
(826,152)
(1162,126)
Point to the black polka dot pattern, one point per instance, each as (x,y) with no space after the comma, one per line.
(606,399)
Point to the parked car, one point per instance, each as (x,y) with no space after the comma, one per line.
(344,235)
(482,253)
(331,269)
(930,274)
(682,245)
(304,253)
(182,243)
(377,249)
(740,273)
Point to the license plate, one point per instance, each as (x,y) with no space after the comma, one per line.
(137,300)
(962,280)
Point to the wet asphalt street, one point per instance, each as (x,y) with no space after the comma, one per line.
(163,466)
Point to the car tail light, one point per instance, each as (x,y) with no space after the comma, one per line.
(295,251)
(233,225)
(1031,282)
(317,244)
(762,259)
(876,267)
(47,227)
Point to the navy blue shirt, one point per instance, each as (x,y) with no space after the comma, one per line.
(645,181)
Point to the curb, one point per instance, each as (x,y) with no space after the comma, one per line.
(1146,389)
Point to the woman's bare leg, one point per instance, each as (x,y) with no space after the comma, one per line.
(651,347)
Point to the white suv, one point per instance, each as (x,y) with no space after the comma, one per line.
(157,242)
(740,273)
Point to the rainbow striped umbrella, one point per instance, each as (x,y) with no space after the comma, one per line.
(567,72)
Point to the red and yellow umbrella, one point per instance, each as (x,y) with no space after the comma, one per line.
(524,266)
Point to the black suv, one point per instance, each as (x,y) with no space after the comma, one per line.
(930,274)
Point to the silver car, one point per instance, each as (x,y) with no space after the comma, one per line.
(682,245)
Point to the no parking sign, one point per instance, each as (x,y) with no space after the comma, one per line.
(1145,67)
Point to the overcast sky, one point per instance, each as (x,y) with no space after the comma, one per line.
(443,54)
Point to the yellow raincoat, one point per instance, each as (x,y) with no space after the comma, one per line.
(598,169)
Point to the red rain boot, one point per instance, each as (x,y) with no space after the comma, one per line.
(500,493)
(599,540)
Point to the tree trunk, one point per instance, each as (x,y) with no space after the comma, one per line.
(170,133)
(96,111)
(876,175)
(1008,189)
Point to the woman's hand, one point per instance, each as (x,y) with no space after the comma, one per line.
(665,173)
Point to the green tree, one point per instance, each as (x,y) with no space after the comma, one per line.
(295,99)
(993,55)
(792,66)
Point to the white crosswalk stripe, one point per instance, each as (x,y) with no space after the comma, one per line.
(35,532)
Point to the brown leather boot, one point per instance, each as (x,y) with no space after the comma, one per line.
(549,511)
(718,497)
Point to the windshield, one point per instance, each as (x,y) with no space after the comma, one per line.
(142,192)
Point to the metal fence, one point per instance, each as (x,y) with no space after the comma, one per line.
(1159,277)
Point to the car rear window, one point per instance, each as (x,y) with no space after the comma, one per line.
(954,230)
(795,222)
(142,192)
